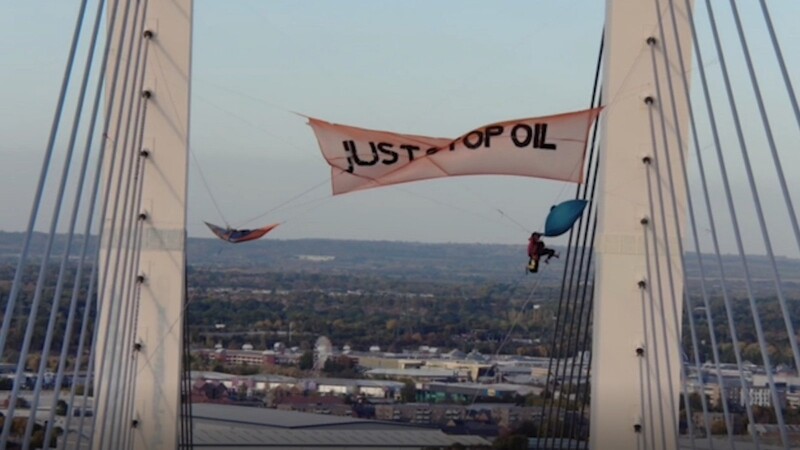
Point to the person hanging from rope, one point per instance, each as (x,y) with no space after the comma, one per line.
(537,249)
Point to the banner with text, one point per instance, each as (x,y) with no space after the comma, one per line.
(550,147)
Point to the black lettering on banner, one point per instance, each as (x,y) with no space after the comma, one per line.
(347,150)
(492,130)
(359,161)
(452,145)
(537,135)
(386,149)
(543,138)
(431,151)
(410,149)
(354,160)
(527,134)
(478,134)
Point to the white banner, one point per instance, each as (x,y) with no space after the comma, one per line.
(550,147)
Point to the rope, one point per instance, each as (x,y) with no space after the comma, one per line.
(258,127)
(566,287)
(514,322)
(586,343)
(787,81)
(132,314)
(670,276)
(784,190)
(124,295)
(116,294)
(518,315)
(16,284)
(187,422)
(692,219)
(128,336)
(78,359)
(325,181)
(106,197)
(93,277)
(515,222)
(649,421)
(687,298)
(208,189)
(113,222)
(726,299)
(584,265)
(449,205)
(397,187)
(118,231)
(787,199)
(286,202)
(654,338)
(753,307)
(90,375)
(37,297)
(84,248)
(581,328)
(45,353)
(660,294)
(554,352)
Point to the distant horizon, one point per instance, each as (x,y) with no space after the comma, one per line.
(265,241)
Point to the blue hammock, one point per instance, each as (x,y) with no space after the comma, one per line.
(563,216)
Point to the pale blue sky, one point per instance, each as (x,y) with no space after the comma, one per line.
(437,68)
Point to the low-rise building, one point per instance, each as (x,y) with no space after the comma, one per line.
(464,369)
(437,392)
(245,357)
(237,427)
(382,361)
(366,388)
(417,375)
(501,414)
(762,396)
(261,383)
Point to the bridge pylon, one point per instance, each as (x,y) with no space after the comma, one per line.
(142,257)
(636,355)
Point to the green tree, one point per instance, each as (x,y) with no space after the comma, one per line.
(409,392)
(79,390)
(61,408)
(511,442)
(307,360)
(33,362)
(37,440)
(718,427)
(341,366)
(695,402)
(764,414)
(18,425)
